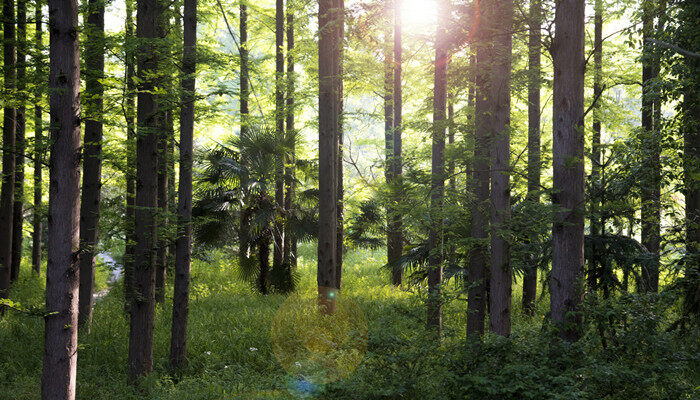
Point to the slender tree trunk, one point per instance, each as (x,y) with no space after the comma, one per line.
(329,110)
(691,169)
(62,272)
(162,247)
(533,140)
(278,226)
(92,158)
(567,232)
(437,184)
(264,258)
(501,273)
(7,192)
(395,239)
(183,245)
(290,240)
(243,236)
(596,226)
(146,201)
(478,272)
(38,142)
(389,125)
(130,115)
(20,118)
(340,31)
(651,210)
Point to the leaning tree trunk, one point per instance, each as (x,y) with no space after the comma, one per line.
(7,192)
(183,245)
(651,210)
(278,226)
(62,272)
(501,281)
(20,119)
(38,141)
(395,237)
(437,184)
(146,201)
(129,115)
(568,166)
(533,140)
(478,273)
(92,157)
(329,109)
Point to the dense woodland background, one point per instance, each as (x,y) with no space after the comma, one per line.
(496,198)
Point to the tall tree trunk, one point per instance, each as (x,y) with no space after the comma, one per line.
(596,225)
(183,245)
(691,169)
(389,144)
(290,240)
(20,118)
(340,31)
(478,272)
(329,110)
(278,226)
(7,194)
(92,158)
(533,140)
(146,201)
(568,166)
(501,274)
(243,235)
(38,142)
(437,183)
(130,115)
(264,259)
(395,238)
(62,272)
(650,188)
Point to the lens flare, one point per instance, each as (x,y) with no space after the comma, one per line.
(316,348)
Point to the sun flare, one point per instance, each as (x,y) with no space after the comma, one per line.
(418,14)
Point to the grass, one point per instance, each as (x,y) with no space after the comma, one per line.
(231,357)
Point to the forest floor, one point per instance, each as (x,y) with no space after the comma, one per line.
(231,355)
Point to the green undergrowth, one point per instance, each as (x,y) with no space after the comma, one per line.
(230,355)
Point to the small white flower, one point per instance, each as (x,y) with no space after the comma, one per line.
(226,366)
(207,353)
(298,364)
(253,349)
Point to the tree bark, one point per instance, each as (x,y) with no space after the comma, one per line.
(62,272)
(92,158)
(290,240)
(568,166)
(278,227)
(38,143)
(7,195)
(20,119)
(437,183)
(596,225)
(130,115)
(501,274)
(146,201)
(395,238)
(478,272)
(183,245)
(340,30)
(243,237)
(329,110)
(533,140)
(389,71)
(650,189)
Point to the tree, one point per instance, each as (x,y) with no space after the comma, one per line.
(500,284)
(395,236)
(183,246)
(533,138)
(329,114)
(278,226)
(20,120)
(130,175)
(597,226)
(62,272)
(243,245)
(7,194)
(290,240)
(146,201)
(568,184)
(476,307)
(650,190)
(339,91)
(38,140)
(92,157)
(437,181)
